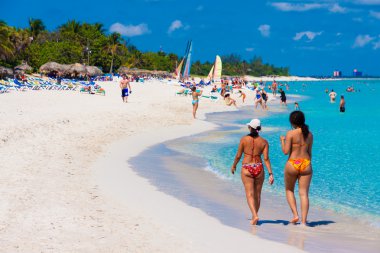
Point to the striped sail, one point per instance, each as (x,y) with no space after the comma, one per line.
(186,71)
(178,70)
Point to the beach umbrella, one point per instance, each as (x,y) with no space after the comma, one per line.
(77,68)
(23,67)
(53,66)
(5,71)
(123,70)
(93,71)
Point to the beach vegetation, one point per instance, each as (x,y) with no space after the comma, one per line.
(90,44)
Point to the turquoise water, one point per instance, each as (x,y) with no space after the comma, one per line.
(345,159)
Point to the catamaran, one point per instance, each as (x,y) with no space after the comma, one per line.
(215,74)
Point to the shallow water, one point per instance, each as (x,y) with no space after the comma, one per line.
(346,176)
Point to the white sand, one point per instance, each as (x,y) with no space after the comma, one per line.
(66,187)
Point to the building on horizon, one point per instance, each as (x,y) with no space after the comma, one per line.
(337,73)
(357,73)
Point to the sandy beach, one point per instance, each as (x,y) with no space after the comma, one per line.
(64,173)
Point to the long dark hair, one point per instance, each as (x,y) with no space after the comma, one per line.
(297,119)
(254,131)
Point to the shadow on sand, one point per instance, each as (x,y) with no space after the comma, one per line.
(285,222)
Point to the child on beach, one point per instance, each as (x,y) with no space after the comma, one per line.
(242,95)
(252,171)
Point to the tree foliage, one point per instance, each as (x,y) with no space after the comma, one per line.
(85,43)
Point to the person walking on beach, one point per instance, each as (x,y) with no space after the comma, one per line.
(252,171)
(195,101)
(298,145)
(283,97)
(125,88)
(342,104)
(332,96)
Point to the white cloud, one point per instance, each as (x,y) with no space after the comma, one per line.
(339,34)
(367,2)
(336,8)
(302,7)
(282,6)
(200,8)
(310,35)
(249,49)
(357,20)
(376,45)
(362,40)
(374,14)
(130,30)
(176,24)
(264,30)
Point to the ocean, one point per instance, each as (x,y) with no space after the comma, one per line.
(346,164)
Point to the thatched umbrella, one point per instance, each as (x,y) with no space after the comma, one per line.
(77,68)
(53,66)
(123,70)
(93,71)
(23,67)
(5,71)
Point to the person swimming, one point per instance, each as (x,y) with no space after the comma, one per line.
(252,172)
(298,144)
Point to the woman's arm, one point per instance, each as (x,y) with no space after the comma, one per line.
(286,143)
(267,162)
(238,156)
(310,145)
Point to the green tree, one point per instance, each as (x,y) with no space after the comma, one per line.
(36,26)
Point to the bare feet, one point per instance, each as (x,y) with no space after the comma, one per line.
(294,220)
(254,220)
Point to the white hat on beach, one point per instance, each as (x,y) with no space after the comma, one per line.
(254,123)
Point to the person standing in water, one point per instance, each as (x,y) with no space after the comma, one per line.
(282,97)
(252,171)
(296,106)
(332,96)
(342,104)
(195,101)
(298,145)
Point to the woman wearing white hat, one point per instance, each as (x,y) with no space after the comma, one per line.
(252,171)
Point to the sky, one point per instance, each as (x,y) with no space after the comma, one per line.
(310,37)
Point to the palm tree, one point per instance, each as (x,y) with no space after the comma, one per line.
(36,26)
(6,46)
(70,26)
(113,45)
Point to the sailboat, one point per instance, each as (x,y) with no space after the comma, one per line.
(178,70)
(216,70)
(186,70)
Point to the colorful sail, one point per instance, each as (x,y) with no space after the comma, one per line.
(216,70)
(186,71)
(178,70)
(211,74)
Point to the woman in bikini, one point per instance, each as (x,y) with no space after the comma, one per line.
(298,144)
(195,101)
(252,171)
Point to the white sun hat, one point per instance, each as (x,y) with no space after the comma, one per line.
(254,123)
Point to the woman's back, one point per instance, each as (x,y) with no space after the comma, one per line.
(256,145)
(300,148)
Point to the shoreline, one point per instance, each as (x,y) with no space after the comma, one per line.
(211,236)
(214,198)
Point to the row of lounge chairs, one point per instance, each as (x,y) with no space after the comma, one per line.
(34,83)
